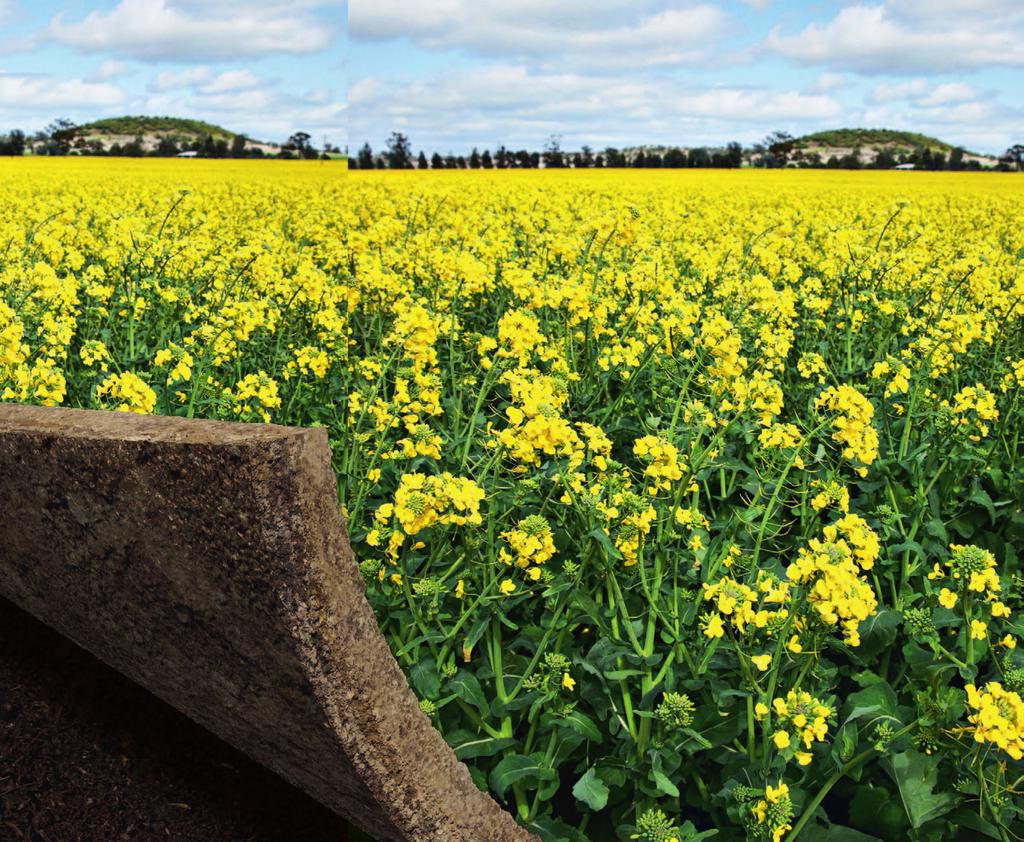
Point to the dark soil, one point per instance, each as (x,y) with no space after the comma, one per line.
(88,756)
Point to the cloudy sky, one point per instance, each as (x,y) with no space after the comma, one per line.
(267,69)
(457,73)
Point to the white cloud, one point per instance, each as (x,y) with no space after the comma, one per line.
(977,125)
(918,38)
(760,5)
(163,30)
(318,96)
(925,10)
(232,80)
(828,82)
(892,91)
(44,92)
(507,103)
(949,93)
(110,69)
(595,33)
(920,92)
(266,113)
(167,80)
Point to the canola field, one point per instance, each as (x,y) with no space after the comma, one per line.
(690,502)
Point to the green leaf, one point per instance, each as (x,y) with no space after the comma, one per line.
(916,774)
(605,542)
(424,679)
(581,724)
(937,529)
(591,790)
(715,727)
(555,830)
(516,768)
(619,675)
(466,686)
(661,781)
(838,833)
(971,820)
(982,498)
(878,632)
(476,632)
(874,809)
(871,702)
(845,744)
(468,745)
(697,738)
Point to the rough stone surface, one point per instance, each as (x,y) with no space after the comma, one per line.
(209,562)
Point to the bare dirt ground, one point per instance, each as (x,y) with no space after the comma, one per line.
(88,756)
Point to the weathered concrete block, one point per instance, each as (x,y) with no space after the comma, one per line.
(208,561)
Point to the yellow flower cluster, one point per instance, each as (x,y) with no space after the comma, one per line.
(126,393)
(255,395)
(536,426)
(748,609)
(998,717)
(898,374)
(662,462)
(971,569)
(830,569)
(974,406)
(180,371)
(772,814)
(531,542)
(781,437)
(422,501)
(851,424)
(832,494)
(801,719)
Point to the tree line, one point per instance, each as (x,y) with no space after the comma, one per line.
(777,150)
(63,137)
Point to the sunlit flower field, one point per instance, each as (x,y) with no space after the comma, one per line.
(689,502)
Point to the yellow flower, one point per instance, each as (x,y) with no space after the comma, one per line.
(978,629)
(460,589)
(714,627)
(762,662)
(127,392)
(947,598)
(568,682)
(507,587)
(781,739)
(998,717)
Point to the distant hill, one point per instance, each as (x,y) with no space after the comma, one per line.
(173,127)
(183,132)
(868,144)
(849,138)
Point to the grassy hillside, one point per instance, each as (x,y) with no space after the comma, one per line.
(872,137)
(175,127)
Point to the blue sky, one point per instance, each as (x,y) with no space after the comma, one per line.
(267,69)
(453,74)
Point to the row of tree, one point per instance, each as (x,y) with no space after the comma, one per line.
(399,155)
(63,137)
(779,149)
